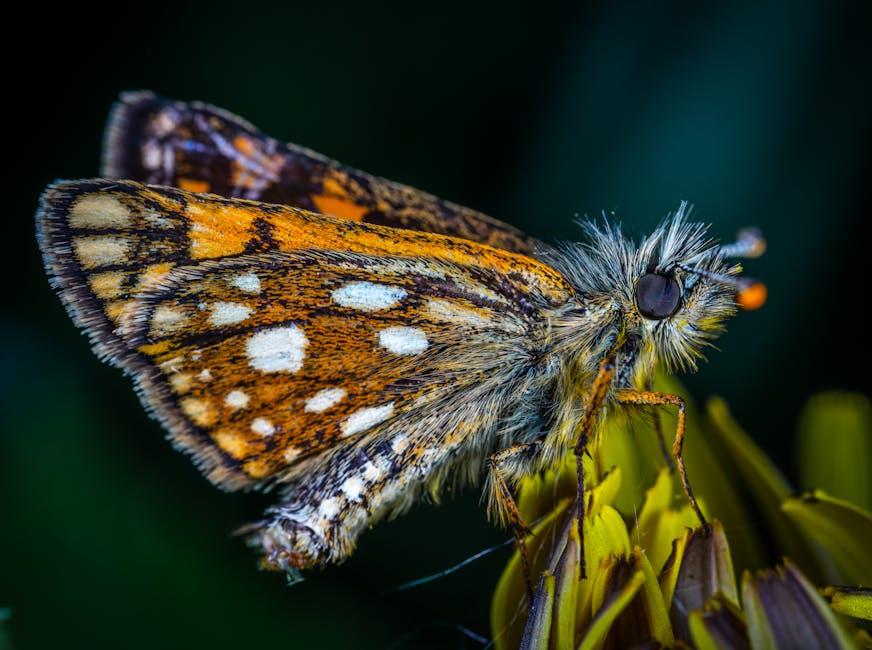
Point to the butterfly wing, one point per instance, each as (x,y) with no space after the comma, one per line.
(262,336)
(200,148)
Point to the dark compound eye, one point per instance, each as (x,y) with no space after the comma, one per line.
(657,296)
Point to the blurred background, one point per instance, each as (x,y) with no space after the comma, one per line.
(756,113)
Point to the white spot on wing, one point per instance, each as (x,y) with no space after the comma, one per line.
(236,399)
(167,319)
(427,460)
(228,313)
(291,454)
(173,365)
(368,296)
(403,340)
(263,427)
(99,211)
(329,508)
(247,282)
(390,492)
(372,472)
(399,443)
(164,122)
(324,399)
(352,488)
(181,382)
(168,161)
(365,418)
(279,349)
(100,250)
(448,311)
(156,220)
(151,155)
(400,268)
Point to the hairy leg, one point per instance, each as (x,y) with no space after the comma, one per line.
(655,398)
(511,462)
(658,429)
(596,398)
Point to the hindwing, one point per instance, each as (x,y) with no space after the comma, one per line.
(201,148)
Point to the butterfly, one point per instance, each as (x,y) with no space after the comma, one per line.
(357,344)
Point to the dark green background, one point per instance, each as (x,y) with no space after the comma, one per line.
(758,115)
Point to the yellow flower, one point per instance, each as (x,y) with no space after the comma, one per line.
(654,580)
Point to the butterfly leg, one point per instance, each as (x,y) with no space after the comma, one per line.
(596,398)
(656,398)
(658,428)
(510,462)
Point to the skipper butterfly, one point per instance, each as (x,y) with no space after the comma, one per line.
(354,342)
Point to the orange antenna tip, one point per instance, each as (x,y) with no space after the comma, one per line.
(753,296)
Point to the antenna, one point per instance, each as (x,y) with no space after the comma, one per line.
(750,293)
(749,244)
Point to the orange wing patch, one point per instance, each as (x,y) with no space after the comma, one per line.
(194,185)
(338,207)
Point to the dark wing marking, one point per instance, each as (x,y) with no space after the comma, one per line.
(201,148)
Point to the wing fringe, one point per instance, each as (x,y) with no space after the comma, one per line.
(71,285)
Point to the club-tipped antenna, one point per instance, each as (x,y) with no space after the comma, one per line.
(749,244)
(750,293)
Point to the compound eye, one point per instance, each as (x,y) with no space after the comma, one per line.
(657,296)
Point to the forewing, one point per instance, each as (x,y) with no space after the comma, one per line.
(200,148)
(260,335)
(104,242)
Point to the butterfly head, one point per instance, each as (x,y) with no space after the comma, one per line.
(661,300)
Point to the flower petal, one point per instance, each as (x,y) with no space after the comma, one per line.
(699,568)
(768,485)
(538,495)
(645,618)
(613,602)
(509,604)
(850,601)
(537,631)
(840,527)
(783,610)
(659,523)
(605,537)
(568,574)
(654,609)
(720,626)
(631,444)
(835,445)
